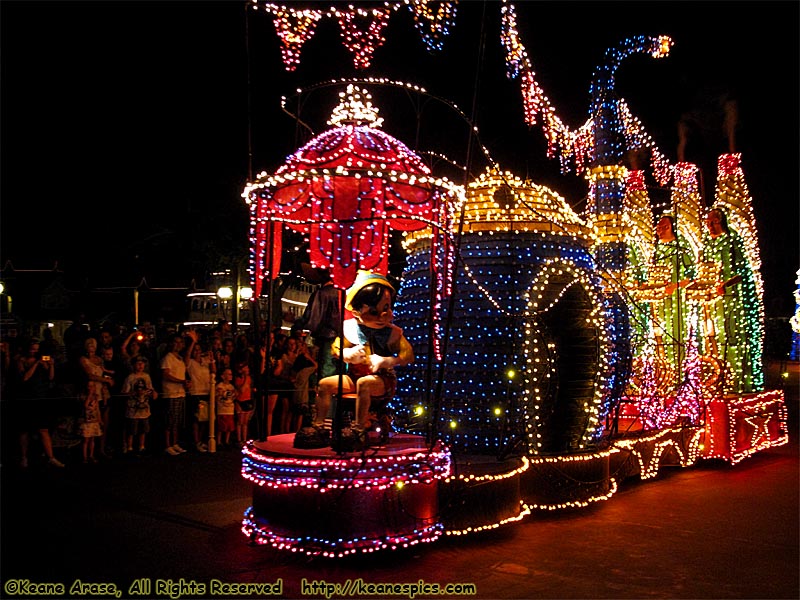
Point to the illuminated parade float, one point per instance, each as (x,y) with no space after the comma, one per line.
(557,353)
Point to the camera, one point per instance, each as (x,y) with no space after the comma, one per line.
(45,359)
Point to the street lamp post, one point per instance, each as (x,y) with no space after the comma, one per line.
(212,415)
(243,294)
(8,297)
(224,293)
(237,294)
(235,311)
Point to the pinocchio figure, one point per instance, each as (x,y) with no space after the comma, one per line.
(373,347)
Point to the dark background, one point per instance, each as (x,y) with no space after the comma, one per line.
(129,129)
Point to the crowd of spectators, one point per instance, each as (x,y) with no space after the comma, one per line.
(116,392)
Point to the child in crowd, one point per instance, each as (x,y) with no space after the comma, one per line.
(138,387)
(225,399)
(244,401)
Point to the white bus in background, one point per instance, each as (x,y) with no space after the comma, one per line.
(206,309)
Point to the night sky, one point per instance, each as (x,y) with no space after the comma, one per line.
(129,129)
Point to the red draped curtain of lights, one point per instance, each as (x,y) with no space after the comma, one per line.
(345,190)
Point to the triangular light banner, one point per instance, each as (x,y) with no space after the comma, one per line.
(294,28)
(433,23)
(362,42)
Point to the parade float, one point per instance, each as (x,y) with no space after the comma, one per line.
(557,354)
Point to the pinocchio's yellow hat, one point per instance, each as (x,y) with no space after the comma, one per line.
(363,279)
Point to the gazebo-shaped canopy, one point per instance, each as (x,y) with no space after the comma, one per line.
(345,190)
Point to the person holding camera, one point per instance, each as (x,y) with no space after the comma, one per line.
(133,347)
(35,378)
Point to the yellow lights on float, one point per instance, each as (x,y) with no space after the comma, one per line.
(355,107)
(561,462)
(524,511)
(423,182)
(609,227)
(500,201)
(541,298)
(473,479)
(733,197)
(608,172)
(648,450)
(665,43)
(579,503)
(382,81)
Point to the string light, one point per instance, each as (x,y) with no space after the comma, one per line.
(344,190)
(382,479)
(648,450)
(257,529)
(361,28)
(574,148)
(794,322)
(325,474)
(742,352)
(511,229)
(532,277)
(760,417)
(433,20)
(294,27)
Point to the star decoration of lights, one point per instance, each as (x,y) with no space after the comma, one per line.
(760,424)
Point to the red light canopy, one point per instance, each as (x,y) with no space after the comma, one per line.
(345,190)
